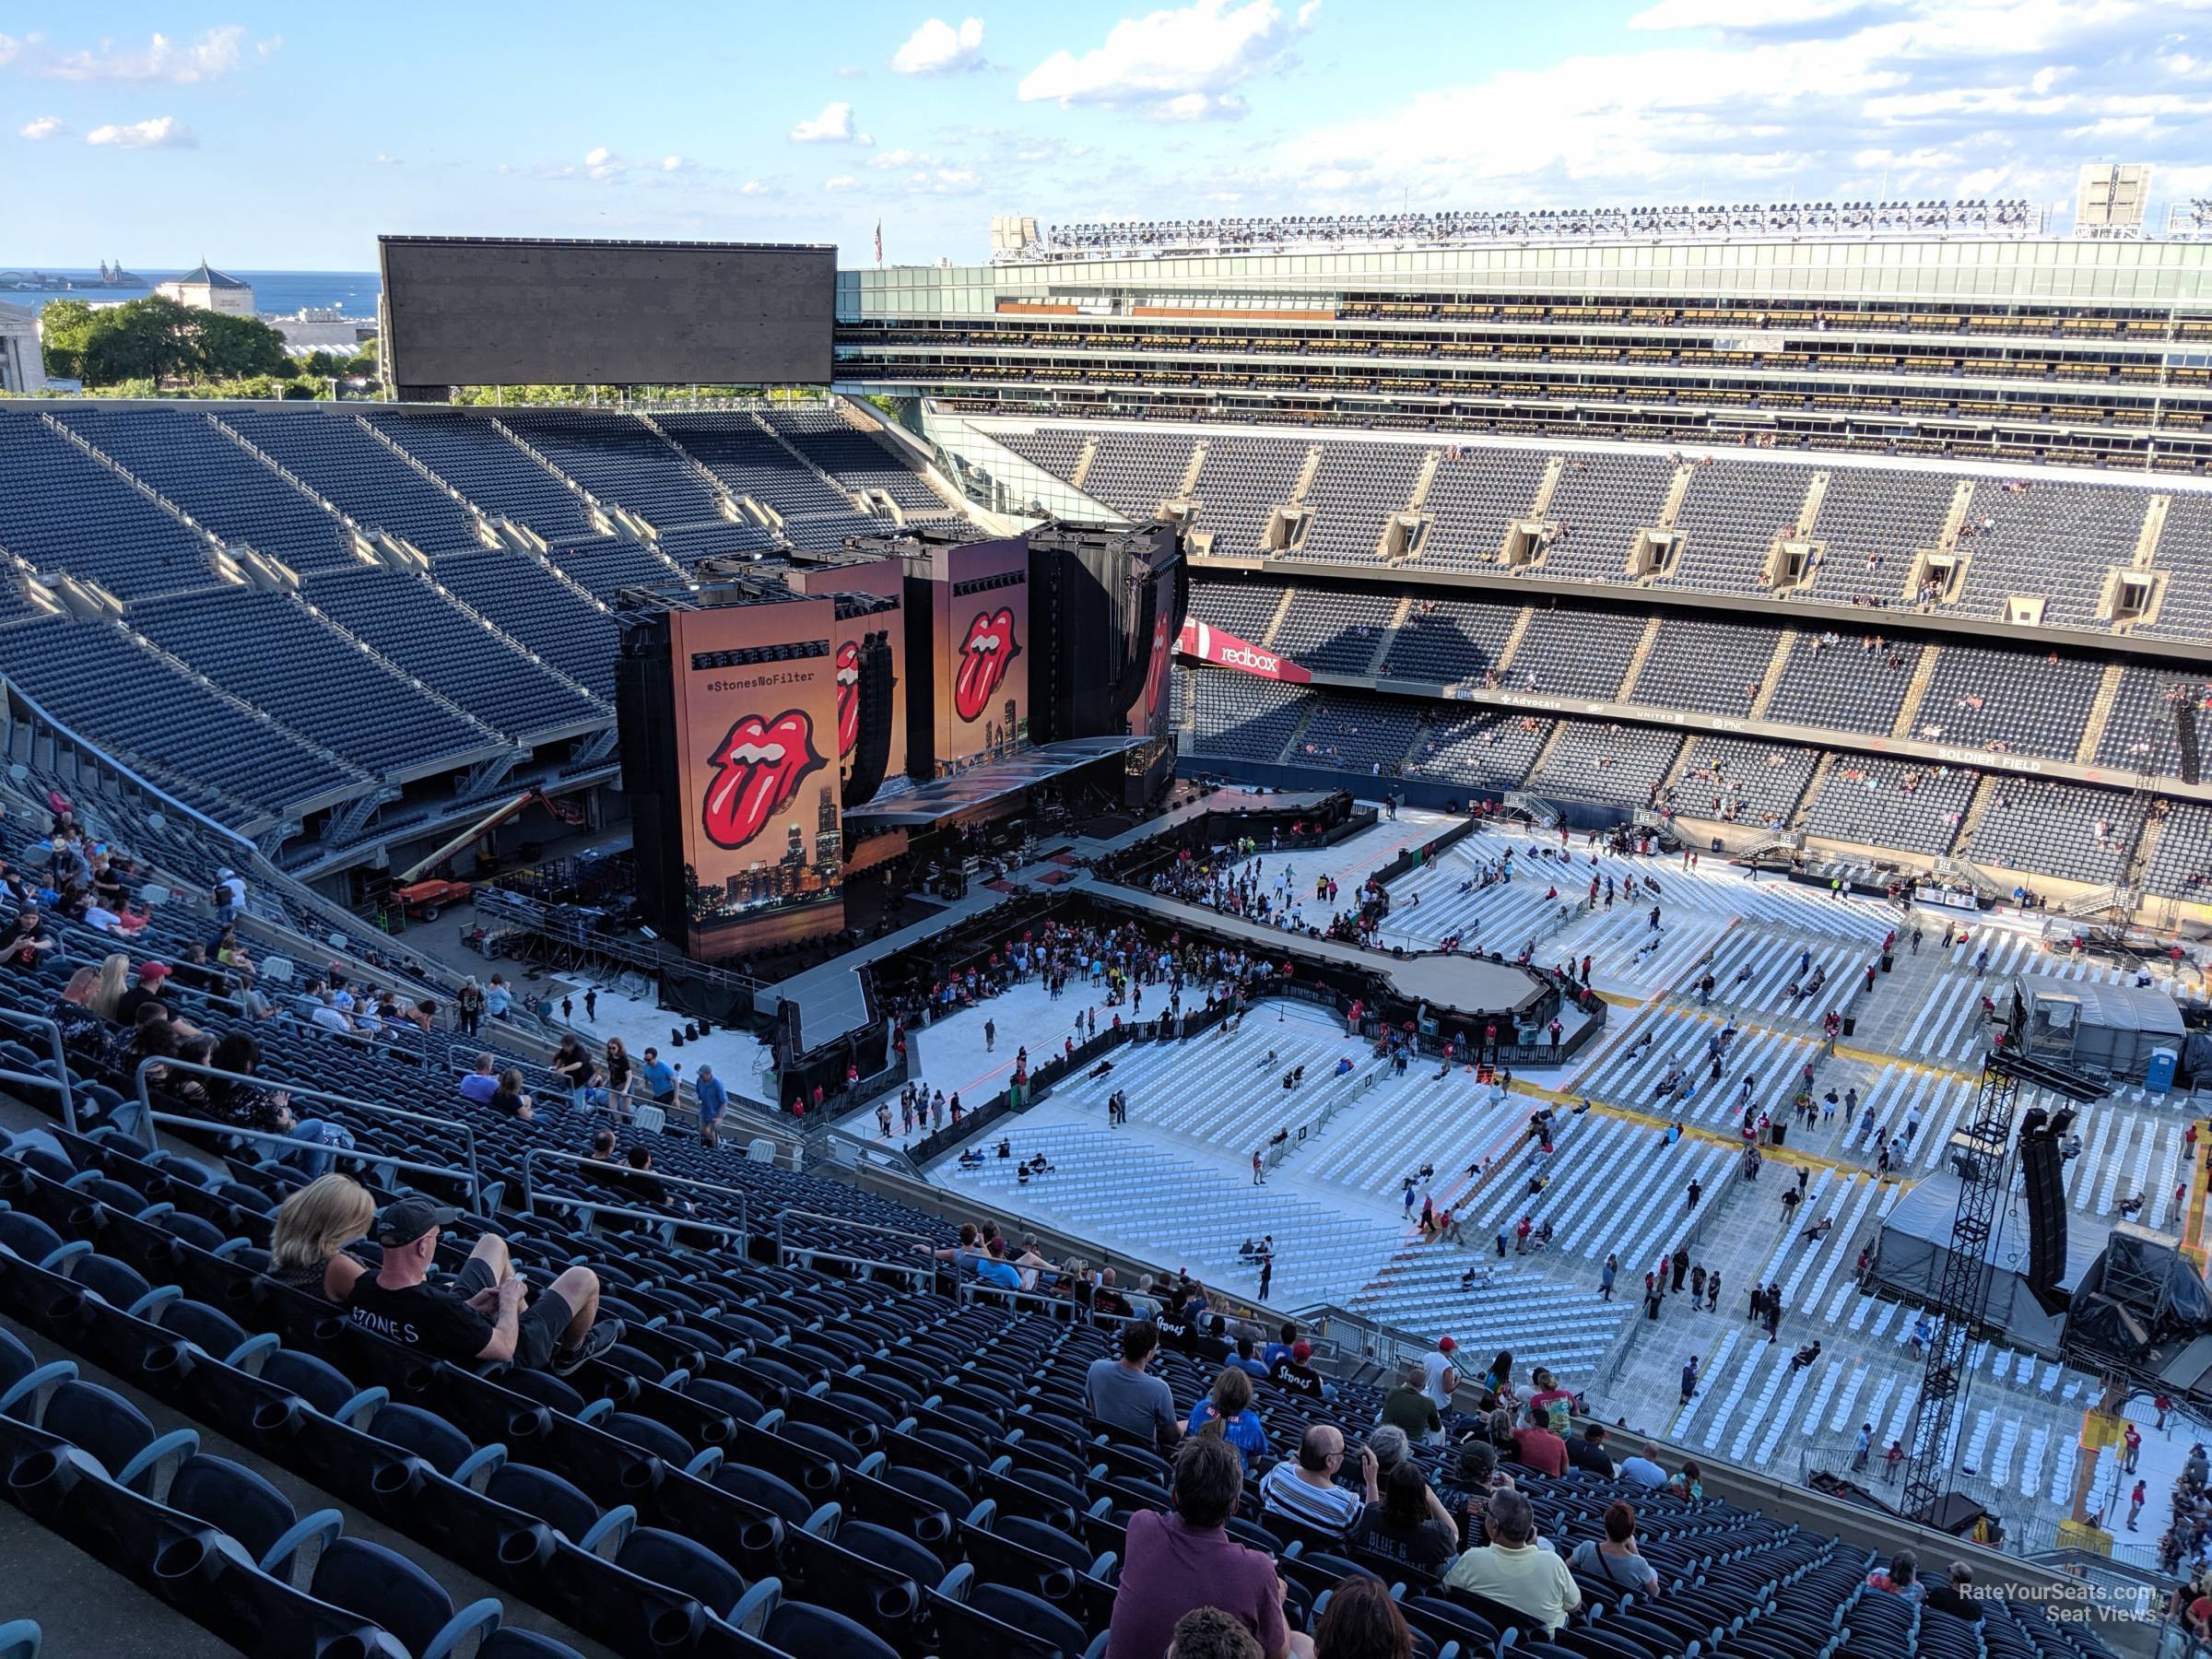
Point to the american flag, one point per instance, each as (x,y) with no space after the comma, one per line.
(879,242)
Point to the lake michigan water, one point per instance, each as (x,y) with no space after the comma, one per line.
(276,292)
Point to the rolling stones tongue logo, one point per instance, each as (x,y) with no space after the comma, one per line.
(760,766)
(989,647)
(1156,672)
(848,697)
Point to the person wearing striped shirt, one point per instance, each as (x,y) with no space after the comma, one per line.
(1304,1488)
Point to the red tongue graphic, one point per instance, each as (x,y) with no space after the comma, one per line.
(760,766)
(848,697)
(1157,671)
(989,647)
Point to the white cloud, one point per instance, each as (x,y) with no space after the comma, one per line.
(833,126)
(842,182)
(43,126)
(13,47)
(217,52)
(603,164)
(163,132)
(1924,97)
(758,187)
(944,180)
(1175,65)
(1743,14)
(937,48)
(384,160)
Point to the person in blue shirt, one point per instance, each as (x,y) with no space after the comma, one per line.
(1231,1406)
(660,1078)
(714,1100)
(1244,1360)
(1279,1352)
(995,1269)
(498,1000)
(481,1084)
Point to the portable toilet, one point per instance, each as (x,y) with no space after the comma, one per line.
(2157,1074)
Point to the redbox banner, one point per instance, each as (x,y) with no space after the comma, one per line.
(1210,644)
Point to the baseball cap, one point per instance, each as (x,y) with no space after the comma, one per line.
(1301,1351)
(1445,1345)
(406,1219)
(152,971)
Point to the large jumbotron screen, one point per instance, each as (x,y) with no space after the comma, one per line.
(982,627)
(503,312)
(756,724)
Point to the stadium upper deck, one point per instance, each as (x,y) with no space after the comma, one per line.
(1987,342)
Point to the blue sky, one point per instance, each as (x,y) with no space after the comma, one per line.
(281,136)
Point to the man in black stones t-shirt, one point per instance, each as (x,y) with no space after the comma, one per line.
(484,1319)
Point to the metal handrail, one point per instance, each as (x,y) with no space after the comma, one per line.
(276,1138)
(599,1166)
(923,1240)
(660,1218)
(60,1080)
(921,1274)
(376,1108)
(967,1289)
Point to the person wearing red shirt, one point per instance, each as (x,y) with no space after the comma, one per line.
(1538,1447)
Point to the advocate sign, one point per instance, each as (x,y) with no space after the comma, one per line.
(1210,644)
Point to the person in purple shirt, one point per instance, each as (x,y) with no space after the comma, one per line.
(1173,1563)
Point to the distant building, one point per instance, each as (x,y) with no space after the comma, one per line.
(22,364)
(209,290)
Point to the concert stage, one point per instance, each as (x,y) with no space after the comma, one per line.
(1468,986)
(993,789)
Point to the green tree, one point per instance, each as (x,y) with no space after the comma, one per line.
(64,326)
(229,346)
(141,339)
(159,340)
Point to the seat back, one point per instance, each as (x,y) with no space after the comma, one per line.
(428,1435)
(671,1559)
(210,1329)
(232,1497)
(382,1585)
(99,1421)
(800,1628)
(117,1283)
(546,1495)
(317,1381)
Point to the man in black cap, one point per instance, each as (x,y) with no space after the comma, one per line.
(484,1318)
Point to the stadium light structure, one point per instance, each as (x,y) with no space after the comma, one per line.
(1685,221)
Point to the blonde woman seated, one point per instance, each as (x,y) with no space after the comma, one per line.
(307,1250)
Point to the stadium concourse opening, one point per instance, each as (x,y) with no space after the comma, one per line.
(1537,931)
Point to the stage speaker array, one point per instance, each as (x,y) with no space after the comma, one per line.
(2042,1167)
(2184,732)
(872,749)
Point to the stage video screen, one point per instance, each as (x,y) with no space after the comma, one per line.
(1148,714)
(757,720)
(885,578)
(983,666)
(501,311)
